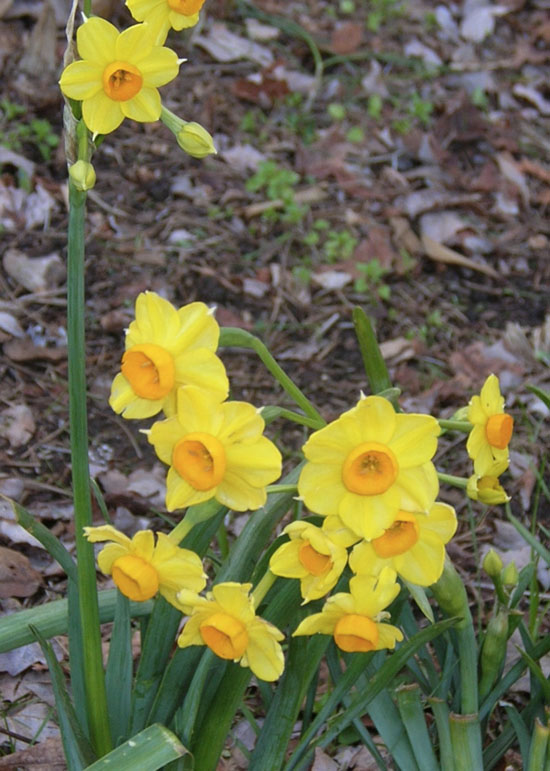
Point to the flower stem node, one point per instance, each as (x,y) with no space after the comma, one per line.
(82,175)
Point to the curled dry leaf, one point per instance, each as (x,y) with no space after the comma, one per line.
(37,274)
(17,424)
(17,577)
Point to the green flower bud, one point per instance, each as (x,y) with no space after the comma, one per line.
(82,175)
(492,564)
(493,652)
(195,140)
(510,575)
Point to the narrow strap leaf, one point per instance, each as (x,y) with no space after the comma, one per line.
(118,675)
(148,750)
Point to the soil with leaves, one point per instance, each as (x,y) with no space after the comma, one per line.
(392,154)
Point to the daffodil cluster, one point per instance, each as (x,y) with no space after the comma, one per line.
(488,442)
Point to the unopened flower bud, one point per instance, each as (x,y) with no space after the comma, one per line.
(195,140)
(492,564)
(82,175)
(510,575)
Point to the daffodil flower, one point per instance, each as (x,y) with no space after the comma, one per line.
(225,621)
(118,75)
(215,450)
(487,488)
(357,620)
(311,556)
(167,348)
(492,428)
(370,463)
(414,546)
(163,15)
(142,568)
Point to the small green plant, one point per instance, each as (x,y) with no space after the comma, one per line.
(336,111)
(420,108)
(370,279)
(276,181)
(479,98)
(16,134)
(355,134)
(299,120)
(401,125)
(374,106)
(339,246)
(382,12)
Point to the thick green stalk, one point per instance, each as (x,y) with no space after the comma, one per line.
(94,676)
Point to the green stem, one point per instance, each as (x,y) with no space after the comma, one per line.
(456,425)
(94,676)
(263,587)
(200,512)
(452,480)
(466,742)
(230,336)
(282,489)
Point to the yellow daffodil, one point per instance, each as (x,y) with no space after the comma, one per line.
(215,450)
(311,556)
(226,622)
(487,488)
(118,75)
(162,15)
(167,348)
(356,619)
(140,567)
(369,464)
(492,427)
(414,546)
(338,532)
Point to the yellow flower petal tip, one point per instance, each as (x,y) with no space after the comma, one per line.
(142,567)
(226,622)
(368,464)
(118,74)
(166,348)
(215,450)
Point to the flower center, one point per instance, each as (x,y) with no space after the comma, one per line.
(355,634)
(136,578)
(370,469)
(186,7)
(498,430)
(121,81)
(200,459)
(488,483)
(314,562)
(150,370)
(225,635)
(398,538)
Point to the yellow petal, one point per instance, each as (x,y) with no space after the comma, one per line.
(418,487)
(178,21)
(180,494)
(236,494)
(258,464)
(369,516)
(263,653)
(106,533)
(234,598)
(81,80)
(423,564)
(388,635)
(377,419)
(363,560)
(101,114)
(96,41)
(285,561)
(159,67)
(491,399)
(143,544)
(203,369)
(441,520)
(108,555)
(144,107)
(164,435)
(321,487)
(415,439)
(318,623)
(134,44)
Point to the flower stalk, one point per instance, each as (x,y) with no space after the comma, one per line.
(94,676)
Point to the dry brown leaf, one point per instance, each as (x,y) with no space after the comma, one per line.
(346,38)
(439,253)
(17,424)
(37,274)
(17,577)
(25,350)
(45,756)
